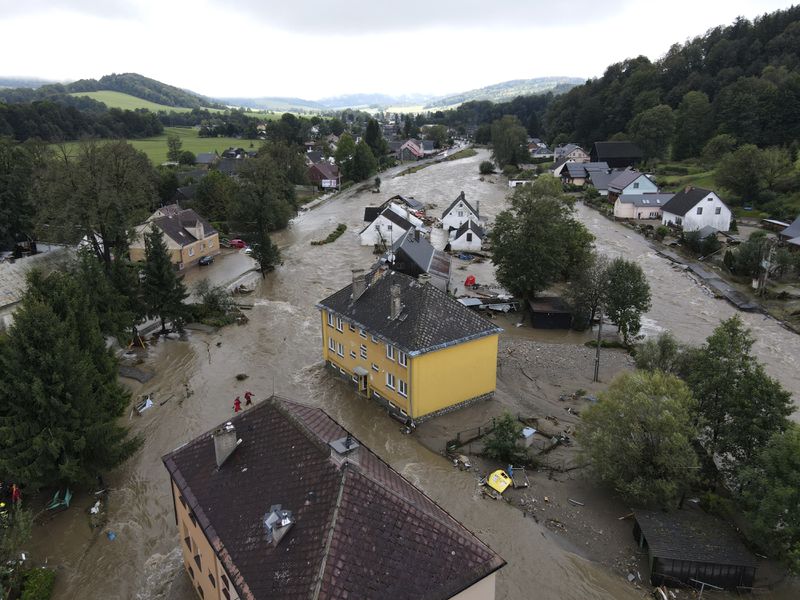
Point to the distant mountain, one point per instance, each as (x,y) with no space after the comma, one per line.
(126,83)
(274,103)
(508,90)
(22,82)
(374,100)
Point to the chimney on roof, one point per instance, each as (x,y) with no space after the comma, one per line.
(416,235)
(396,307)
(225,442)
(687,189)
(344,450)
(277,523)
(359,283)
(424,278)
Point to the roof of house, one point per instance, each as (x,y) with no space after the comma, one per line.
(315,156)
(427,145)
(388,213)
(205,158)
(187,192)
(645,200)
(576,169)
(624,179)
(425,257)
(567,148)
(460,198)
(371,213)
(793,230)
(559,162)
(470,225)
(430,319)
(174,224)
(326,169)
(607,150)
(692,535)
(601,179)
(685,200)
(408,201)
(230,166)
(549,304)
(360,529)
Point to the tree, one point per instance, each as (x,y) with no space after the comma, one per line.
(739,406)
(60,401)
(336,126)
(345,151)
(503,442)
(693,125)
(509,142)
(770,497)
(18,165)
(639,435)
(437,133)
(174,145)
(162,290)
(486,167)
(538,240)
(586,292)
(652,130)
(662,353)
(215,195)
(14,536)
(627,297)
(187,157)
(374,139)
(363,164)
(717,147)
(741,172)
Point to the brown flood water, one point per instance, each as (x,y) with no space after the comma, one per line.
(280,351)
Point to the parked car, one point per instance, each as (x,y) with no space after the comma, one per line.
(237,243)
(205,260)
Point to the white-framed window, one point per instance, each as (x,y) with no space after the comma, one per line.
(363,351)
(351,327)
(340,350)
(210,243)
(699,210)
(678,220)
(461,213)
(330,319)
(339,325)
(355,378)
(362,333)
(374,340)
(352,354)
(375,367)
(389,351)
(402,358)
(636,185)
(191,251)
(390,381)
(331,344)
(718,210)
(402,389)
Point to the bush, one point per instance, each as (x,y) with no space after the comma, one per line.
(502,443)
(510,170)
(662,231)
(486,168)
(332,237)
(39,584)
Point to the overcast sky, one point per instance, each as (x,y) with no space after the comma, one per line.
(314,48)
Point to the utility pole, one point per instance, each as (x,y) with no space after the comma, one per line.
(597,356)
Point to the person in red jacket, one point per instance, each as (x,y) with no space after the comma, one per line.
(237,405)
(248,398)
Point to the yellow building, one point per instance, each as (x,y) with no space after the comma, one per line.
(408,344)
(281,503)
(188,236)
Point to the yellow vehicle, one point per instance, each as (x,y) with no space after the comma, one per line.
(499,481)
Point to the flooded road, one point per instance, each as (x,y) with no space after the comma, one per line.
(279,350)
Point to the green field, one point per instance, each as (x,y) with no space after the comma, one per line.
(156,147)
(128,102)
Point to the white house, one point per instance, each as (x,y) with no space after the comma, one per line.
(695,208)
(468,237)
(406,214)
(630,182)
(387,228)
(571,152)
(640,206)
(458,213)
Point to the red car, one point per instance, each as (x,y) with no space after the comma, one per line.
(237,243)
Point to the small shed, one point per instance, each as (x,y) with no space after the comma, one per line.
(550,312)
(691,547)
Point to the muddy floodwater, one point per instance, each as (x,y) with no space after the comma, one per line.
(279,350)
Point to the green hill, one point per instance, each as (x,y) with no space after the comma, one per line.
(127,102)
(508,90)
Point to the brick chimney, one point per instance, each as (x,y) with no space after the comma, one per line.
(225,442)
(359,283)
(396,307)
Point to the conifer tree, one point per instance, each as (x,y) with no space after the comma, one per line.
(163,291)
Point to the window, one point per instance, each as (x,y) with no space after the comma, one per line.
(461,213)
(330,319)
(362,333)
(212,580)
(363,351)
(331,344)
(339,326)
(191,251)
(699,210)
(226,594)
(224,580)
(210,243)
(401,387)
(374,340)
(340,350)
(354,378)
(351,327)
(352,354)
(469,237)
(201,592)
(402,359)
(197,560)
(390,381)
(636,185)
(191,571)
(678,220)
(718,210)
(389,352)
(375,367)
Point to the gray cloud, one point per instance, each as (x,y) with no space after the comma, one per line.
(372,16)
(102,8)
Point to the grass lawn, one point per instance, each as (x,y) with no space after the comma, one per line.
(128,102)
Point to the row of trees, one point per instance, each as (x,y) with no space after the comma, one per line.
(705,417)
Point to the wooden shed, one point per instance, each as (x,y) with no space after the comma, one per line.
(692,548)
(550,312)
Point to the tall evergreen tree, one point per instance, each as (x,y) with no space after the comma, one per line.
(163,291)
(60,400)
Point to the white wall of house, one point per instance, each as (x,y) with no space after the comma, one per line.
(626,210)
(458,215)
(468,242)
(578,155)
(709,211)
(643,185)
(483,590)
(381,229)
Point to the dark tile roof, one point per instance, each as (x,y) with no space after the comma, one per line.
(646,200)
(424,258)
(623,179)
(388,213)
(793,230)
(371,213)
(408,201)
(692,535)
(470,225)
(326,170)
(607,150)
(361,531)
(174,225)
(205,158)
(186,192)
(427,145)
(558,163)
(601,179)
(685,200)
(577,170)
(461,198)
(315,156)
(430,319)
